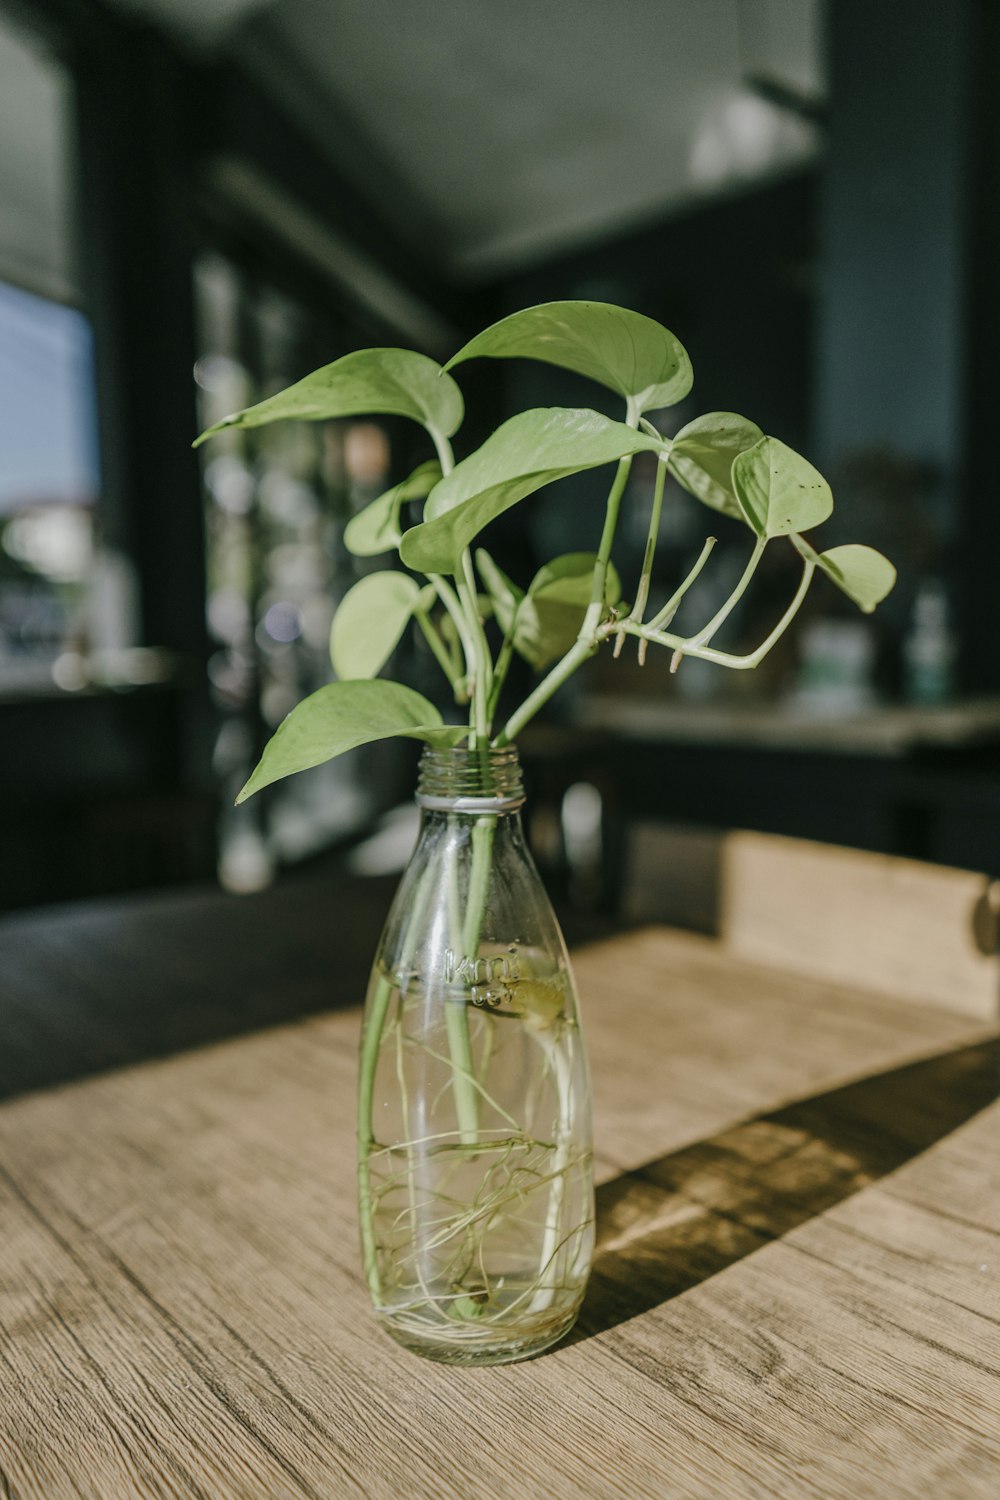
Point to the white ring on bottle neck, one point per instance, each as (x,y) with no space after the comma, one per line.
(470,804)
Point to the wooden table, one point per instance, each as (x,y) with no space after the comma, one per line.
(797,1292)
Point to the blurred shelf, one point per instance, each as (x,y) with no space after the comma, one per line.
(885,731)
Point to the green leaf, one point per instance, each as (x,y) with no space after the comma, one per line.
(620,349)
(376,528)
(398,382)
(779,491)
(702,453)
(340,716)
(527,452)
(551,613)
(506,596)
(369,621)
(863,574)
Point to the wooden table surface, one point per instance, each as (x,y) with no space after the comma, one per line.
(797,1290)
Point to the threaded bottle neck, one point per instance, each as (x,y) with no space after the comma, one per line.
(461,780)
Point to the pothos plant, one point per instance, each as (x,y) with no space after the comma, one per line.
(573,605)
(475,620)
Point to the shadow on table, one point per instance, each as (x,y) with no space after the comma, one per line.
(676,1221)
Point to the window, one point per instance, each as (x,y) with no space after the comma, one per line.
(276,499)
(63,602)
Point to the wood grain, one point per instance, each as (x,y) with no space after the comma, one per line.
(102,984)
(802,1179)
(906,928)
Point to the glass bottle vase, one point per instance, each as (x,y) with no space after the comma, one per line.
(474,1146)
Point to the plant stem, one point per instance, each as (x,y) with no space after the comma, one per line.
(666,614)
(479,880)
(652,536)
(438,647)
(463,1071)
(721,615)
(453,605)
(709,653)
(575,657)
(808,569)
(463,612)
(587,641)
(483,680)
(446,457)
(501,669)
(668,611)
(370,1044)
(595,608)
(559,1062)
(457,1015)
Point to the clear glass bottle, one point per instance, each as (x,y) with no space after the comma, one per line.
(474,1145)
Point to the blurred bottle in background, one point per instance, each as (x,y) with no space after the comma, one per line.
(929,646)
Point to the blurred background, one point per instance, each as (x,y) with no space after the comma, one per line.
(203,200)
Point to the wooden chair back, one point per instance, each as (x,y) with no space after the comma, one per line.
(922,932)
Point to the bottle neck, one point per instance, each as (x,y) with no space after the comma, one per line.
(474,782)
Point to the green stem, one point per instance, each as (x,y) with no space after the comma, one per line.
(483,833)
(465,1084)
(587,640)
(483,679)
(652,536)
(501,669)
(559,1063)
(721,615)
(466,621)
(453,605)
(457,1014)
(446,457)
(463,1071)
(666,614)
(668,611)
(808,569)
(595,608)
(371,1043)
(431,635)
(708,653)
(575,657)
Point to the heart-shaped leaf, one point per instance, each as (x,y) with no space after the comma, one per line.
(620,349)
(376,528)
(397,382)
(550,615)
(527,452)
(506,596)
(779,491)
(369,621)
(702,453)
(342,715)
(863,574)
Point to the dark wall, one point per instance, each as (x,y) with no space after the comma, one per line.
(910,313)
(735,280)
